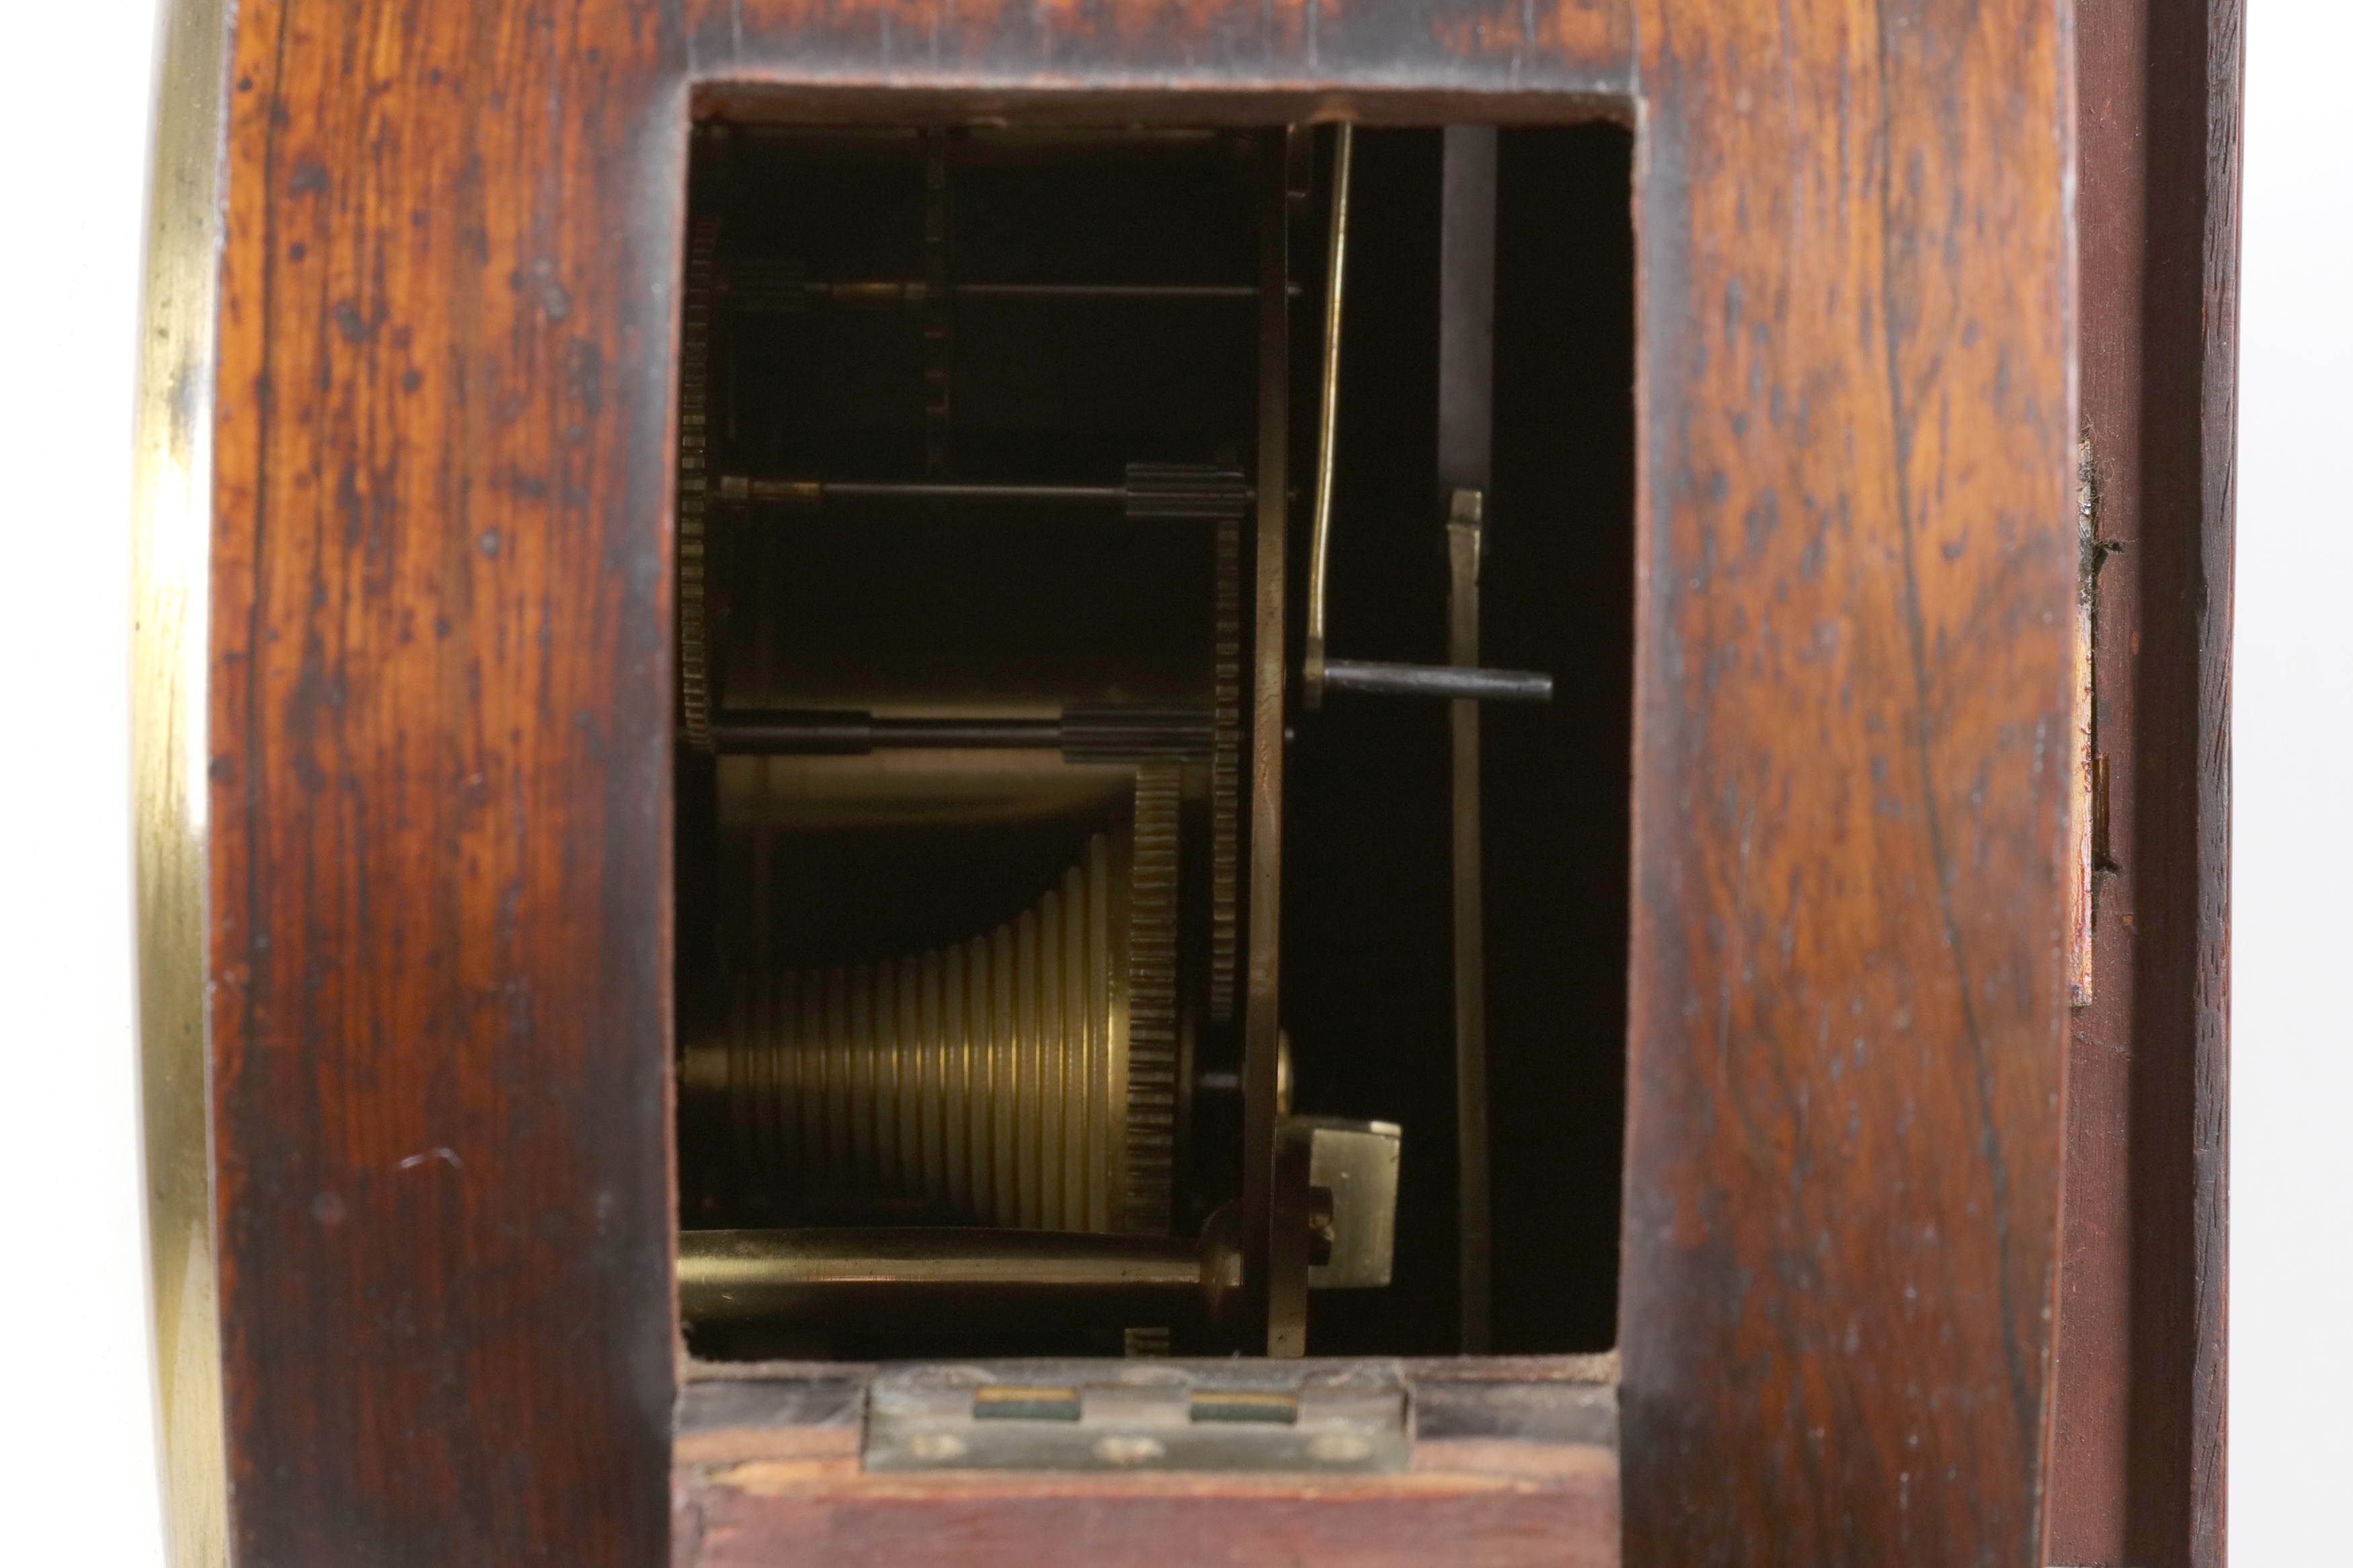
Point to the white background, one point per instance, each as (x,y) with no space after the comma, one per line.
(76,1440)
(2292,837)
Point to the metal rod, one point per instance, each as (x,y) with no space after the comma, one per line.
(1466,311)
(1083,735)
(1474,1220)
(1466,376)
(770,290)
(1148,491)
(1109,291)
(886,489)
(1319,549)
(740,488)
(1446,681)
(952,1277)
(822,734)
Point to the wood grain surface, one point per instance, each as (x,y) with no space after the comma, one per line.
(781,1515)
(439,782)
(2136,1463)
(440,737)
(1857,564)
(1358,53)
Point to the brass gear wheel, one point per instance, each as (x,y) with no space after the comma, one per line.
(695,484)
(1226,776)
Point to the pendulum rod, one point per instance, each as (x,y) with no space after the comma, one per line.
(1466,363)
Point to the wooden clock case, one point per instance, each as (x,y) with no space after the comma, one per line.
(406,717)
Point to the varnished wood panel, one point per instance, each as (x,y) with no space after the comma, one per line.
(439,802)
(781,1514)
(2136,1465)
(1208,48)
(1856,568)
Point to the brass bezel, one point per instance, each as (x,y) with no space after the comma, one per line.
(171,584)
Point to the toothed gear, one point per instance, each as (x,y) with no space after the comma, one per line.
(693,485)
(1226,776)
(1152,1000)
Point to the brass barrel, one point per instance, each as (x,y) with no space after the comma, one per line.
(1022,1078)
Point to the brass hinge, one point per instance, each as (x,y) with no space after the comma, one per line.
(1341,1418)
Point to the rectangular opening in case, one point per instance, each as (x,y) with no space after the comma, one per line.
(999,453)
